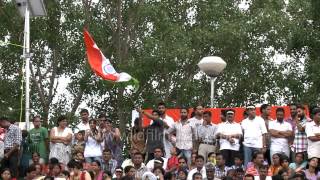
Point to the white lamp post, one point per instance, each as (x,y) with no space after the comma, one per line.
(212,66)
(29,8)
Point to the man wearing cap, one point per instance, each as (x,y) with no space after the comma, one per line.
(158,154)
(254,132)
(207,136)
(313,134)
(229,133)
(210,172)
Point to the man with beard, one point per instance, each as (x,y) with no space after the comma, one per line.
(169,122)
(280,132)
(300,142)
(258,162)
(196,120)
(184,134)
(265,111)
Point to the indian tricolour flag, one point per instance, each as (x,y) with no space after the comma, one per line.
(101,65)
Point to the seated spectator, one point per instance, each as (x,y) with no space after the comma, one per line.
(157,153)
(129,172)
(173,160)
(79,145)
(38,169)
(284,174)
(76,171)
(118,173)
(312,171)
(97,170)
(299,164)
(231,173)
(199,168)
(149,176)
(108,163)
(182,174)
(276,166)
(56,171)
(263,173)
(248,177)
(138,165)
(159,173)
(258,162)
(239,173)
(6,174)
(182,164)
(284,162)
(212,158)
(299,176)
(220,169)
(128,161)
(36,159)
(238,162)
(210,171)
(193,160)
(197,176)
(31,173)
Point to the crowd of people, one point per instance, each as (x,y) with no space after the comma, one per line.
(192,148)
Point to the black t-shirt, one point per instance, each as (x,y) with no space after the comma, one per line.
(154,134)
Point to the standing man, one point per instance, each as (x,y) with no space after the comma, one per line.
(313,134)
(84,124)
(184,134)
(292,121)
(196,121)
(12,142)
(169,121)
(280,132)
(39,139)
(300,143)
(265,110)
(254,132)
(207,136)
(229,132)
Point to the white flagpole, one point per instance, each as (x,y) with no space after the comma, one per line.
(26,55)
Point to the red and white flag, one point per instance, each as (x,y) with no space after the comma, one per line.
(100,64)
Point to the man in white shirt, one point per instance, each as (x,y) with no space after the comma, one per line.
(254,132)
(184,134)
(196,121)
(199,168)
(84,124)
(313,134)
(169,121)
(280,132)
(229,132)
(157,153)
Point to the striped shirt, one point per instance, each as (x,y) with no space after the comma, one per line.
(300,143)
(207,133)
(220,173)
(12,137)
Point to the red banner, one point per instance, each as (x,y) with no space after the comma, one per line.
(175,113)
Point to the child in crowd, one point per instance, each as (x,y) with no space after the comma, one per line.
(238,162)
(212,158)
(79,144)
(173,160)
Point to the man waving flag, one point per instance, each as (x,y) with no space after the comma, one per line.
(101,65)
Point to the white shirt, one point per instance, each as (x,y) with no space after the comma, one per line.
(150,164)
(253,131)
(277,144)
(313,146)
(92,148)
(195,122)
(184,134)
(167,144)
(82,127)
(195,170)
(227,128)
